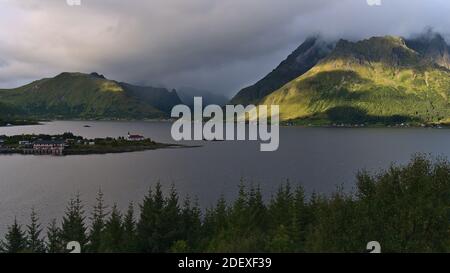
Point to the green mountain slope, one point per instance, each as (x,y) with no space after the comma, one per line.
(78,95)
(298,62)
(382,79)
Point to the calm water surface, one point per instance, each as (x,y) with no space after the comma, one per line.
(317,158)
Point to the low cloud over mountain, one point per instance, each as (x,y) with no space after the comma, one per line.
(215,45)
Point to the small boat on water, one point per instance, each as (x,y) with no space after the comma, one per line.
(87,126)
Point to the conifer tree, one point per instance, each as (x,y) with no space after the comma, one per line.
(73,226)
(150,226)
(35,243)
(190,225)
(257,220)
(129,231)
(257,210)
(222,214)
(145,226)
(281,207)
(301,218)
(239,211)
(15,239)
(54,243)
(98,224)
(236,235)
(113,232)
(214,225)
(170,220)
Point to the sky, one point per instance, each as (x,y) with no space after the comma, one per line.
(219,46)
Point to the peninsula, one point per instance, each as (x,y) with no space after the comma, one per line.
(70,144)
(4,123)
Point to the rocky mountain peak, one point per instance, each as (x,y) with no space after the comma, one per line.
(302,59)
(433,47)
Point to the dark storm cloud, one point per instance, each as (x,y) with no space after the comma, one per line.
(215,45)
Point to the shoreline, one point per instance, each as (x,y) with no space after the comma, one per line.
(282,124)
(69,152)
(69,144)
(369,126)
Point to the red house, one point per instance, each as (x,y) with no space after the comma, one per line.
(54,147)
(135,137)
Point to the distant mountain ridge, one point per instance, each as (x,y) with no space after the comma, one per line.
(187,95)
(378,80)
(86,96)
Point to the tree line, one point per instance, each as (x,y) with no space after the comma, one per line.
(405,208)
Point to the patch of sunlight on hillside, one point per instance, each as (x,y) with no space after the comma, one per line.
(445,121)
(110,87)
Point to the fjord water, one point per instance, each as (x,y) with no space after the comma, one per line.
(320,159)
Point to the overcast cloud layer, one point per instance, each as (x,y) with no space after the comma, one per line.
(219,46)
